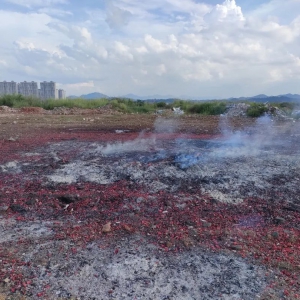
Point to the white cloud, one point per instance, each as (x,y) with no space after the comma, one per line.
(117,17)
(73,32)
(229,11)
(79,85)
(161,69)
(122,51)
(168,47)
(141,50)
(37,3)
(54,12)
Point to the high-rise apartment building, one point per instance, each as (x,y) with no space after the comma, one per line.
(61,94)
(48,90)
(28,89)
(8,88)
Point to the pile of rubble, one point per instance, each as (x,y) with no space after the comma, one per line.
(7,109)
(107,109)
(240,110)
(237,110)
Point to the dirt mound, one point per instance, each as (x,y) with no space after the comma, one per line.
(36,110)
(107,109)
(7,109)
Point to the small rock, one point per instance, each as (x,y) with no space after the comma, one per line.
(140,199)
(106,228)
(187,221)
(6,280)
(128,228)
(30,202)
(293,207)
(187,242)
(236,247)
(206,224)
(279,220)
(194,234)
(3,209)
(184,289)
(169,244)
(68,199)
(275,234)
(17,208)
(3,297)
(11,139)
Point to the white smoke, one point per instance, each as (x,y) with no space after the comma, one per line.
(162,125)
(141,143)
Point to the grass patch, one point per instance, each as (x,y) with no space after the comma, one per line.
(207,108)
(287,107)
(142,107)
(18,101)
(130,106)
(256,110)
(71,103)
(119,104)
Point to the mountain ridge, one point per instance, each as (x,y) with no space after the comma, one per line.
(258,98)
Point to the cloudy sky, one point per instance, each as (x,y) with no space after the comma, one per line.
(183,48)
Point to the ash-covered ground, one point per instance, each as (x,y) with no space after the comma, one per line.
(164,215)
(230,168)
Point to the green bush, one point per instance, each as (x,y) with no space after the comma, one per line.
(256,110)
(70,103)
(19,101)
(130,106)
(161,104)
(9,100)
(208,108)
(184,105)
(288,105)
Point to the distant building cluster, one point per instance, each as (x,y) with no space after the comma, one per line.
(47,89)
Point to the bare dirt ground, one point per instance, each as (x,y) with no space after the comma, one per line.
(96,204)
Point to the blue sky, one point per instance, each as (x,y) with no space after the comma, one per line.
(183,48)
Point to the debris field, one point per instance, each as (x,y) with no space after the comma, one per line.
(151,213)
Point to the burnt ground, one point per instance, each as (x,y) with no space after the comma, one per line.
(102,205)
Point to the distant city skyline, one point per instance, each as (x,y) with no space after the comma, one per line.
(196,48)
(46,91)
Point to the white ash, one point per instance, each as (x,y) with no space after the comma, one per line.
(138,270)
(227,174)
(12,230)
(11,167)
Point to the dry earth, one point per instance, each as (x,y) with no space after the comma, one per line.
(101,205)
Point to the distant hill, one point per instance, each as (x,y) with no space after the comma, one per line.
(90,96)
(292,96)
(272,99)
(261,98)
(151,97)
(169,100)
(131,96)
